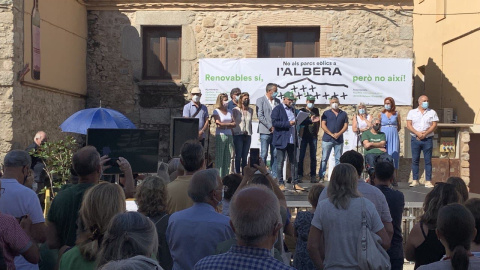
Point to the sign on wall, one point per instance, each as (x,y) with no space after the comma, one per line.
(352,80)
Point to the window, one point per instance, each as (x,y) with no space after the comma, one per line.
(162,52)
(288,42)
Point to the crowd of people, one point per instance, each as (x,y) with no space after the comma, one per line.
(378,136)
(193,217)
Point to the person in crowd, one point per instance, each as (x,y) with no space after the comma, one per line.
(138,262)
(368,191)
(460,186)
(283,121)
(242,132)
(197,110)
(15,238)
(151,198)
(334,124)
(95,221)
(63,213)
(361,121)
(127,179)
(422,122)
(374,142)
(128,235)
(473,205)
(423,246)
(40,176)
(162,171)
(19,201)
(230,185)
(255,213)
(391,126)
(175,168)
(309,132)
(384,177)
(337,222)
(455,229)
(265,105)
(193,159)
(194,233)
(235,98)
(223,134)
(303,221)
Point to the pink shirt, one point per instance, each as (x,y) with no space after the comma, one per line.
(13,240)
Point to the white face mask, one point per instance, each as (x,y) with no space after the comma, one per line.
(225,104)
(196,98)
(334,105)
(310,105)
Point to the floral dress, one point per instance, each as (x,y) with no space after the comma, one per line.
(301,259)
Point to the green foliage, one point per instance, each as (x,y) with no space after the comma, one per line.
(57,157)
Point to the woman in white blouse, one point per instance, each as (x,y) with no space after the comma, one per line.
(223,135)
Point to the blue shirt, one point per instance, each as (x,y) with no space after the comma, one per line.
(193,234)
(242,257)
(334,124)
(190,109)
(291,117)
(231,105)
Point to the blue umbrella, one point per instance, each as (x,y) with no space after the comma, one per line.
(82,120)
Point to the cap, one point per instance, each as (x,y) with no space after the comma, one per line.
(289,95)
(311,98)
(196,90)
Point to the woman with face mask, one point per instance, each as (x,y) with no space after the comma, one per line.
(391,125)
(361,121)
(223,134)
(242,132)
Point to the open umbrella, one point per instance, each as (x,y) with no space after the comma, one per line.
(82,120)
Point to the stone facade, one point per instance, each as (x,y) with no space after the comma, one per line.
(25,109)
(115,56)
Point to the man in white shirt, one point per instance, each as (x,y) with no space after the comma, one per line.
(422,122)
(20,201)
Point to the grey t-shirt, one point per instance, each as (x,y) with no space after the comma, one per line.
(373,194)
(447,265)
(341,229)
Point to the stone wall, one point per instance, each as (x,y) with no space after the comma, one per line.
(115,51)
(25,109)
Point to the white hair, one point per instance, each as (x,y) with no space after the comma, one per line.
(201,184)
(257,219)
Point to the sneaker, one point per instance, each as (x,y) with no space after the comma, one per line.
(282,187)
(297,187)
(428,184)
(414,183)
(313,179)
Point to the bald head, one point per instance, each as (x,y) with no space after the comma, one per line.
(86,161)
(255,214)
(40,138)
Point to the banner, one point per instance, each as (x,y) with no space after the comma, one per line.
(352,80)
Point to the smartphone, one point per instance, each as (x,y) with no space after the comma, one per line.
(113,162)
(254,156)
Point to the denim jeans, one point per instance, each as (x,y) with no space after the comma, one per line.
(417,146)
(281,154)
(326,149)
(265,143)
(312,143)
(242,145)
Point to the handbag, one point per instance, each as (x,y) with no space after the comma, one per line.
(370,253)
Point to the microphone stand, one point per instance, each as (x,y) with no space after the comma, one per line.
(294,164)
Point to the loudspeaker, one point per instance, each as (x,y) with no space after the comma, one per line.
(182,129)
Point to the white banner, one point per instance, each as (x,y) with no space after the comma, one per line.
(352,80)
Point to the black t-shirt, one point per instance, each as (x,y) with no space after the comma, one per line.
(396,203)
(310,129)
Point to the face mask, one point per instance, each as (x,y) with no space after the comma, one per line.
(274,94)
(310,105)
(361,111)
(425,105)
(388,107)
(225,104)
(335,106)
(377,127)
(246,102)
(196,98)
(236,98)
